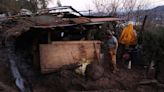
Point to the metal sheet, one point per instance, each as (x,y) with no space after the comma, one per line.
(104,19)
(64,25)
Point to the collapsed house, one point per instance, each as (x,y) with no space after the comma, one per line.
(50,40)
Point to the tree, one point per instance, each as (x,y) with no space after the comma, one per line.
(128,8)
(8,5)
(16,5)
(141,5)
(109,7)
(134,8)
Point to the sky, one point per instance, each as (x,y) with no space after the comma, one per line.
(79,5)
(83,5)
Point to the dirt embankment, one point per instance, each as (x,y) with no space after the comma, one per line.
(122,81)
(6,82)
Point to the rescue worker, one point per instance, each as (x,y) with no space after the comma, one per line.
(128,36)
(112,45)
(128,39)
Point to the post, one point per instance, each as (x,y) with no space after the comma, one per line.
(142,30)
(49,37)
(143,24)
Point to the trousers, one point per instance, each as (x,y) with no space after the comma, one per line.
(112,55)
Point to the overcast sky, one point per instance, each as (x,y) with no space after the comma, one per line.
(82,5)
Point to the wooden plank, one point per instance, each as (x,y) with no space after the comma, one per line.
(54,56)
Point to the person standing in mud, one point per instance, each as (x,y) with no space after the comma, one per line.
(112,45)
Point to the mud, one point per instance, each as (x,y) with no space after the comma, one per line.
(68,81)
(6,80)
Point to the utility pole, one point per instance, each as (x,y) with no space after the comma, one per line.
(44,5)
(89,12)
(59,3)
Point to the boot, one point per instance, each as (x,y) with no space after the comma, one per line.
(115,69)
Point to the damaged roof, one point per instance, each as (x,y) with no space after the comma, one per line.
(16,25)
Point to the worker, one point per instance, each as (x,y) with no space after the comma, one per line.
(112,45)
(128,36)
(128,39)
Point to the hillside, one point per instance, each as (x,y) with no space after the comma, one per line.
(158,9)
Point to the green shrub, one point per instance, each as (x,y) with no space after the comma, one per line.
(153,45)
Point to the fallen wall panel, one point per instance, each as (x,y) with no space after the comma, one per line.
(57,54)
